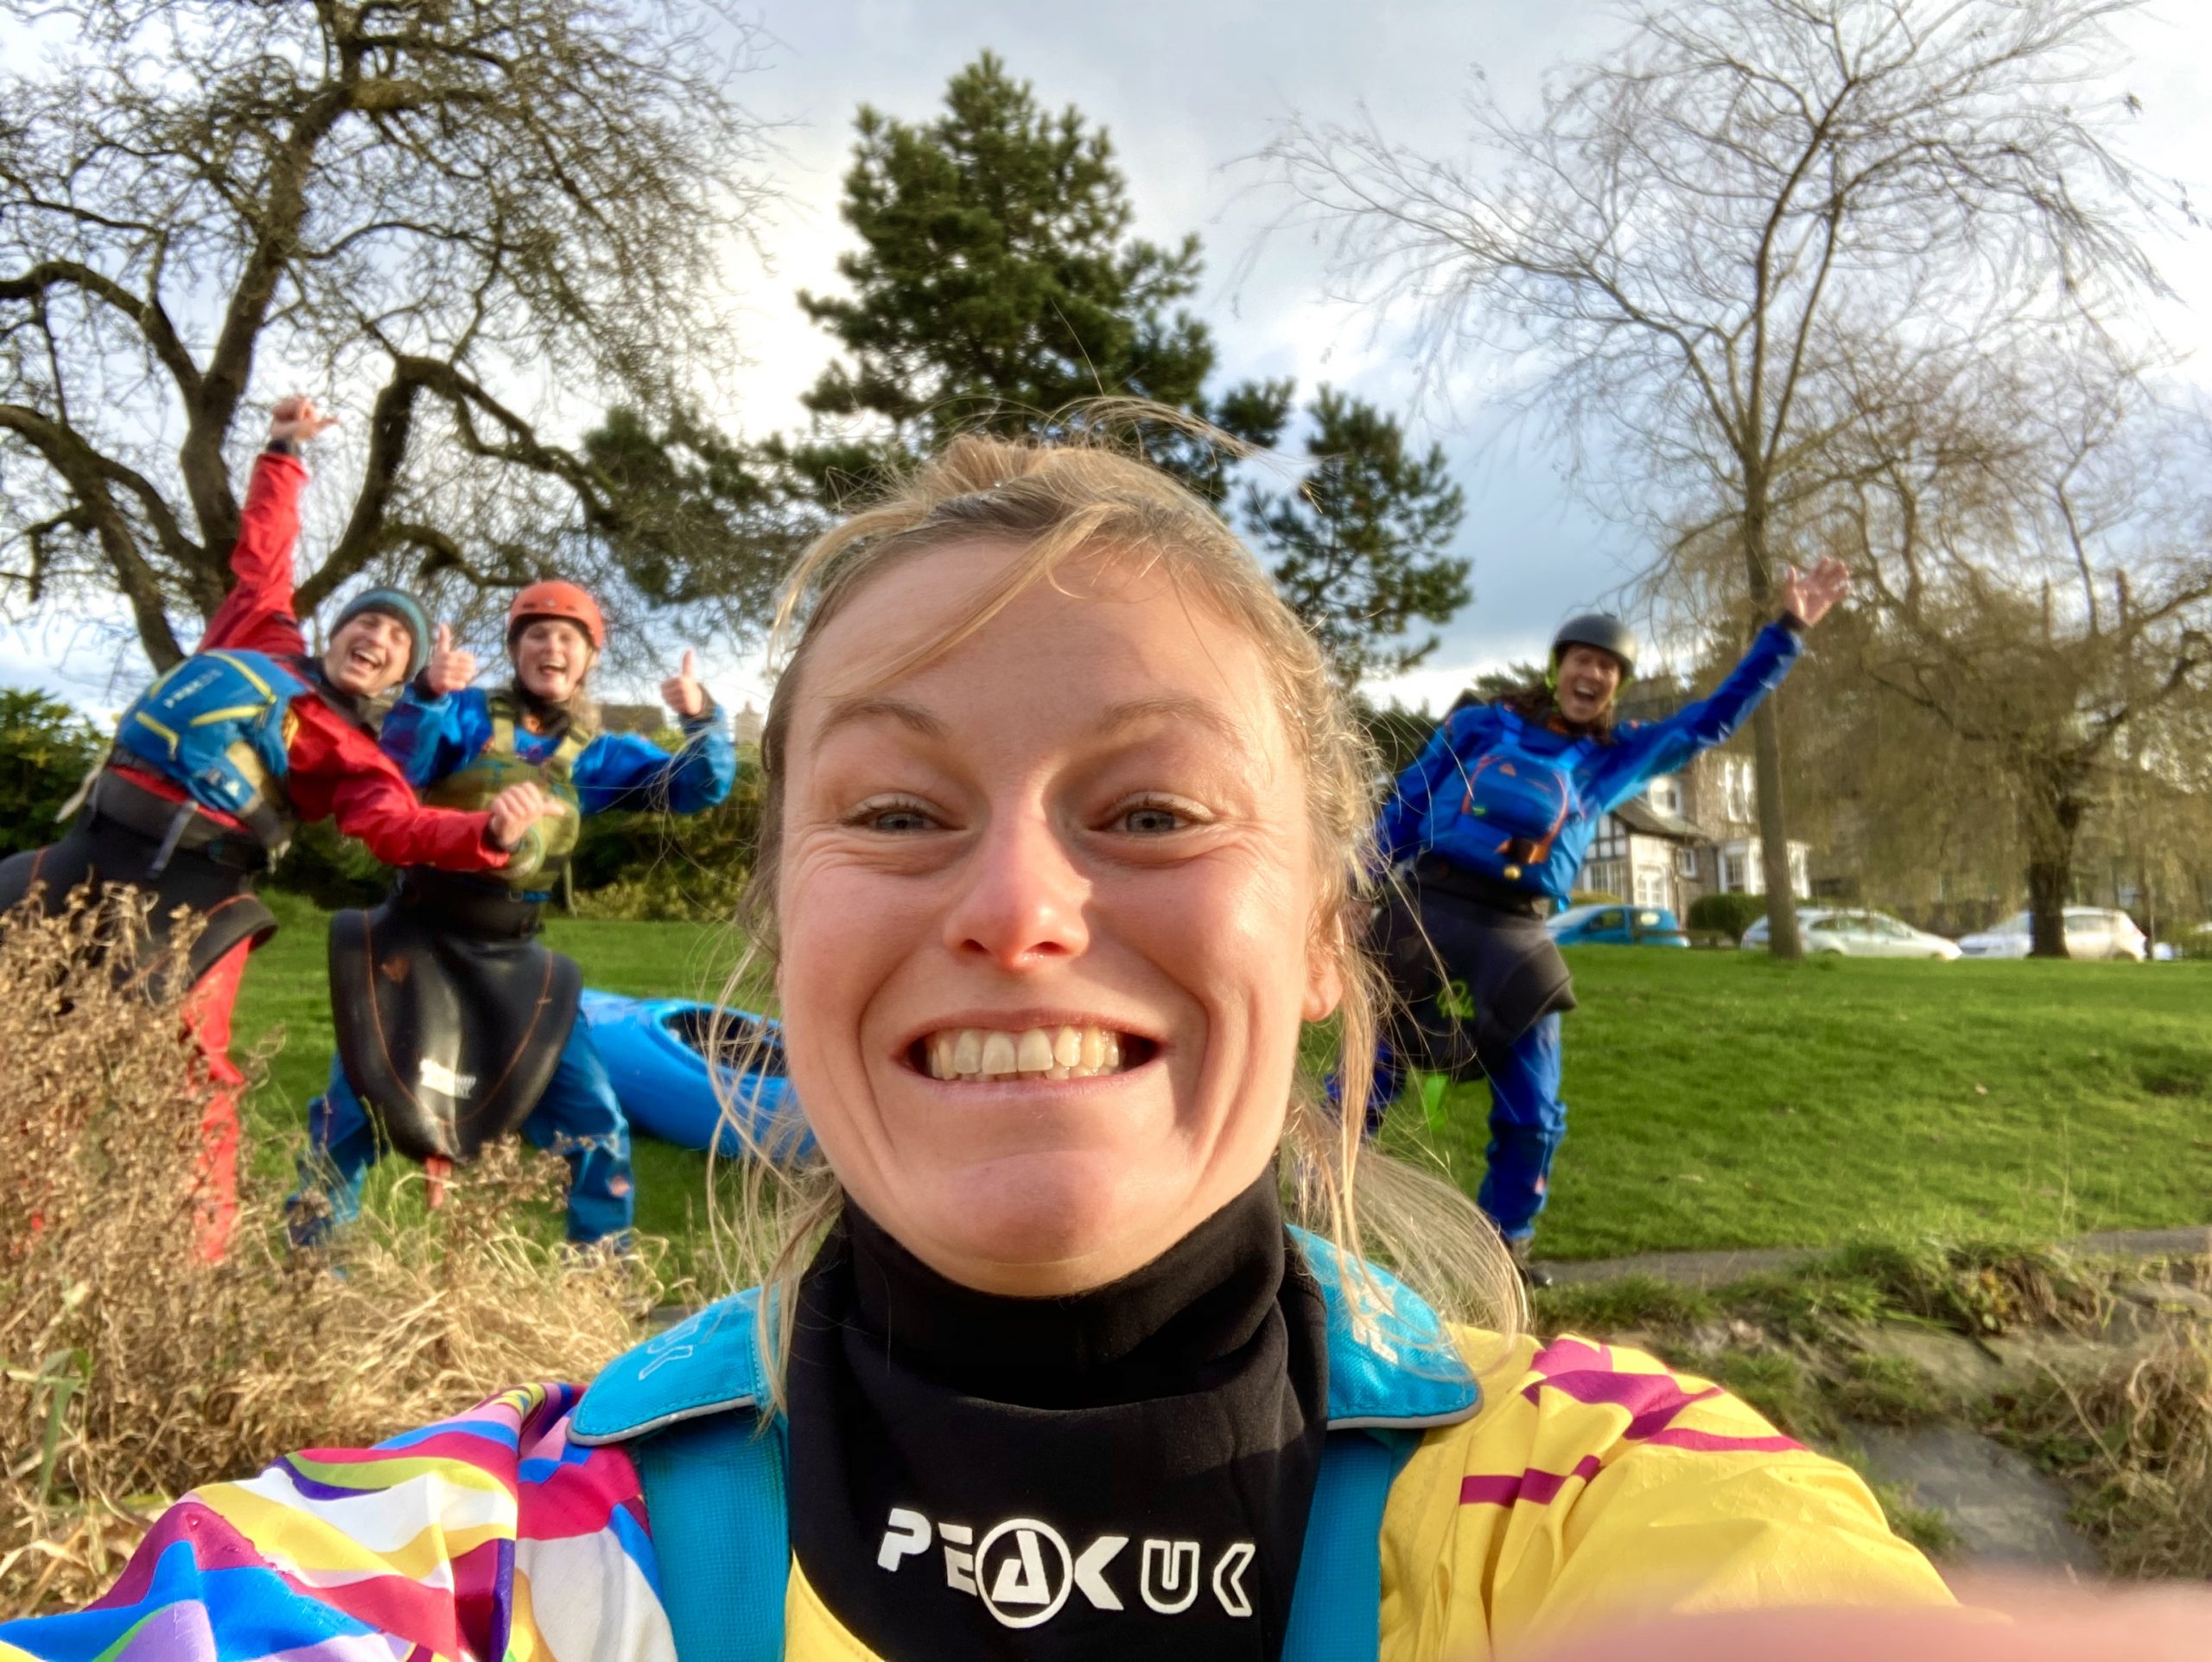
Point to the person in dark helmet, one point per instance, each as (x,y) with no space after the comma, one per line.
(217,762)
(1491,822)
(481,1035)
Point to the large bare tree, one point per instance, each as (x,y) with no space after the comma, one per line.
(1673,255)
(468,222)
(2032,534)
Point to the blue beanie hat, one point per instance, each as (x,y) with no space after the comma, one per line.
(395,603)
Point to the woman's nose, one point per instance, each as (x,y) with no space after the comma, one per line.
(1021,900)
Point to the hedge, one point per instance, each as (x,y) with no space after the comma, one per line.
(1728,914)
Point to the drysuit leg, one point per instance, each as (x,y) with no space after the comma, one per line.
(579,1118)
(342,1144)
(1526,1122)
(206,1012)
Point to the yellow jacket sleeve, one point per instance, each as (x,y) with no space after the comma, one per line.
(1596,1486)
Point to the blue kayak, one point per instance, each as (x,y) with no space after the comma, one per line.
(657,1052)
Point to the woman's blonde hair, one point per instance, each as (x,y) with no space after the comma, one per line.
(1053,501)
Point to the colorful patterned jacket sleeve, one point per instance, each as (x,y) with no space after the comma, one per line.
(486,1536)
(1595,1486)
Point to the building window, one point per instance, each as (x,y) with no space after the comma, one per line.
(1736,789)
(1651,886)
(1685,862)
(1665,795)
(1611,841)
(1603,876)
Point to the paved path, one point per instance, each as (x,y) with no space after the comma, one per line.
(1719,1268)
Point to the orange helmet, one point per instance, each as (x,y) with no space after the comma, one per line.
(561,600)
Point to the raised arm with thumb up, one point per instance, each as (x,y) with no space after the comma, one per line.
(682,693)
(450,668)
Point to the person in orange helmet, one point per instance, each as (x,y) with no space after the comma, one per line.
(218,763)
(456,1025)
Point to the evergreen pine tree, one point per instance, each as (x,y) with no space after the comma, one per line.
(1358,548)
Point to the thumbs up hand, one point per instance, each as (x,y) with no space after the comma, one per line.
(450,668)
(297,418)
(682,693)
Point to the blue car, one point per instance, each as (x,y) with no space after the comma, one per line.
(1611,925)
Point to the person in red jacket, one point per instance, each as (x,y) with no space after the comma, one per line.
(216,764)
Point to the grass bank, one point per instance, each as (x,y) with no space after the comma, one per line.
(1719,1099)
(1716,1099)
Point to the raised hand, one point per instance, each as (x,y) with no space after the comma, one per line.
(450,668)
(682,693)
(515,810)
(1809,595)
(298,419)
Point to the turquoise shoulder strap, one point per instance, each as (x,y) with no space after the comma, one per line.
(719,1510)
(1336,1603)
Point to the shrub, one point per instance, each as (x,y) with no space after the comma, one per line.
(45,750)
(330,868)
(1728,914)
(1594,897)
(641,867)
(138,1368)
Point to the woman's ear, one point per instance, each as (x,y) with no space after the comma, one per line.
(1325,965)
(1325,988)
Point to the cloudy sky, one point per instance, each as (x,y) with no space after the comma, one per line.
(1188,87)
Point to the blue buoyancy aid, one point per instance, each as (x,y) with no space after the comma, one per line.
(219,727)
(1519,804)
(691,1405)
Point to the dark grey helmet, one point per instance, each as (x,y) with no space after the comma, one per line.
(1607,634)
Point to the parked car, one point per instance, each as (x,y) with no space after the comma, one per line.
(2091,932)
(1617,925)
(1839,932)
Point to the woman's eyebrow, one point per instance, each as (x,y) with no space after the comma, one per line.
(1171,708)
(864,708)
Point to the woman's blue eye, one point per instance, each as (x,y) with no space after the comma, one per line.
(899,819)
(1152,821)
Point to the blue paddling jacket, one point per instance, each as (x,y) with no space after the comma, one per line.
(1516,804)
(433,740)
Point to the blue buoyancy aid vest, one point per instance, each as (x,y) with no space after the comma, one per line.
(219,727)
(692,1405)
(1515,802)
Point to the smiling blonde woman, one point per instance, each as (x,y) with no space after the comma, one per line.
(1063,819)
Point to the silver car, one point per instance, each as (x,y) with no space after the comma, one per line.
(2092,931)
(1856,933)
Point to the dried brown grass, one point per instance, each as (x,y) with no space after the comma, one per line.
(130,1369)
(2135,1443)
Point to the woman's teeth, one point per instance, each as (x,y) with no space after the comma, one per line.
(1059,1053)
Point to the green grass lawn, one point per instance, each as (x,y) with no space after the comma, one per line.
(1721,1099)
(1715,1098)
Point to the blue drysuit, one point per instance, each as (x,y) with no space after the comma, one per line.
(1514,804)
(578,1115)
